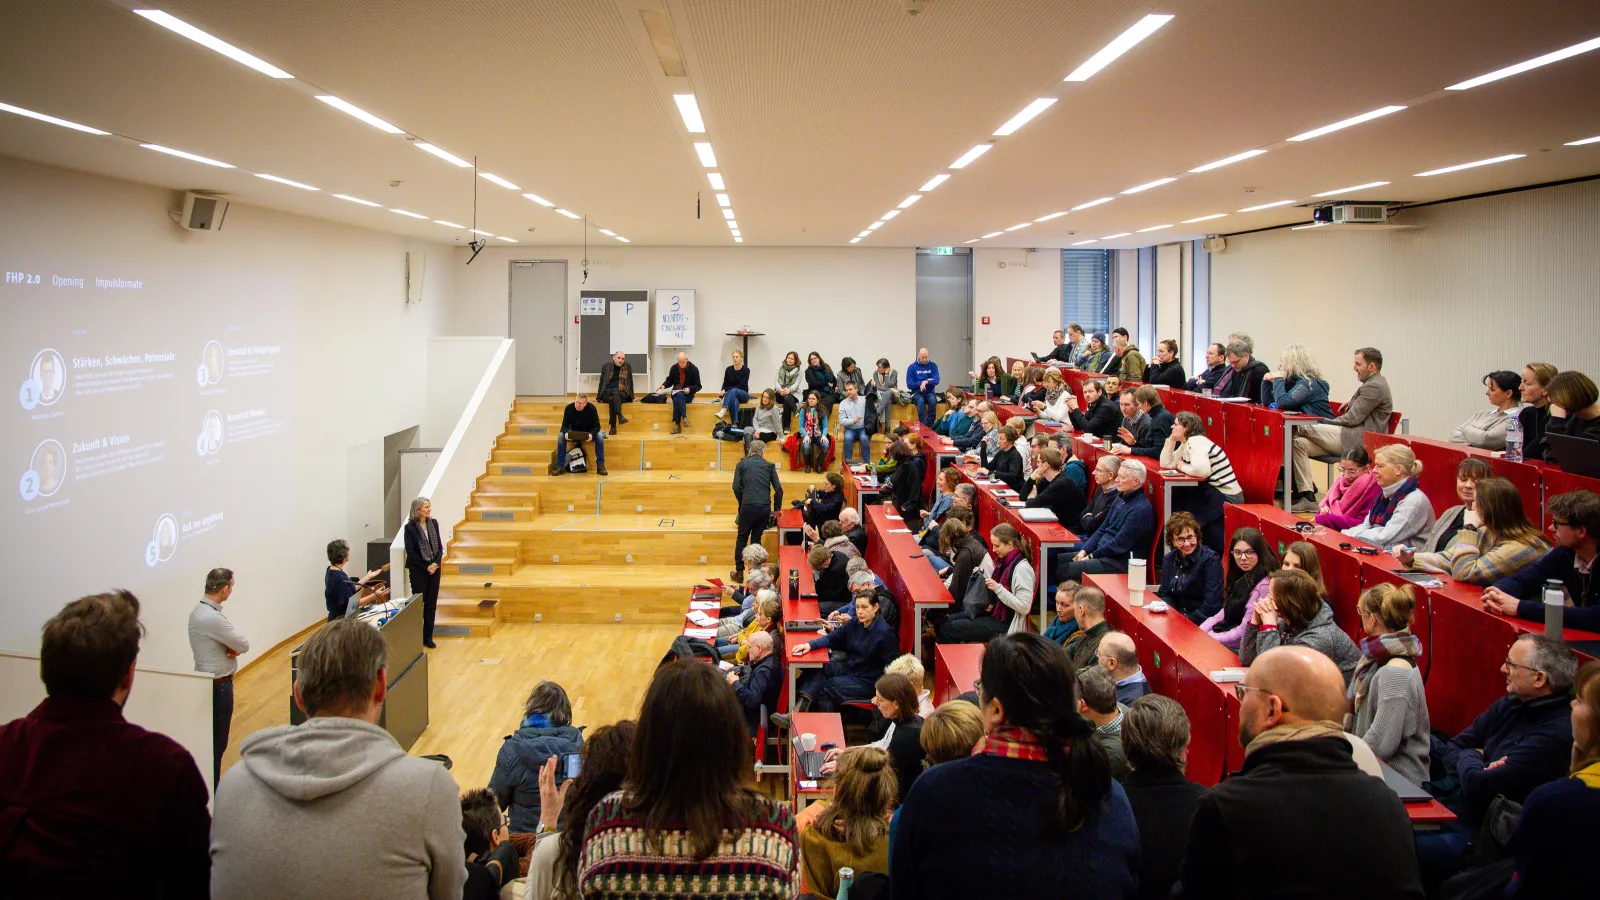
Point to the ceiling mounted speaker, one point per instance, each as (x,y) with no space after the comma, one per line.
(1215,244)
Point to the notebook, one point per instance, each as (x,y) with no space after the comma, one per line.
(1038,515)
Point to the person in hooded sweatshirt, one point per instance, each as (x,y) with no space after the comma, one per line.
(546,731)
(334,807)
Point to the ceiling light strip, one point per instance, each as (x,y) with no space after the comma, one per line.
(1266,206)
(708,157)
(359,113)
(934,182)
(1121,44)
(17,110)
(445,155)
(1521,67)
(1149,184)
(1238,157)
(1346,123)
(496,179)
(211,42)
(1203,218)
(689,109)
(1352,189)
(357,200)
(1027,115)
(293,184)
(968,157)
(189,156)
(540,200)
(1083,206)
(1472,165)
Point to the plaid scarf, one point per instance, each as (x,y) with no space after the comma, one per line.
(1384,506)
(1012,742)
(1002,574)
(1376,651)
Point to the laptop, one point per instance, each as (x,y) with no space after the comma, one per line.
(1577,455)
(1408,791)
(1038,515)
(809,761)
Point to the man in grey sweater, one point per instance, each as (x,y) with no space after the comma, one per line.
(333,807)
(1368,410)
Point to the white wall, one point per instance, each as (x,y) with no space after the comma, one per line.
(350,375)
(1479,285)
(1022,301)
(455,367)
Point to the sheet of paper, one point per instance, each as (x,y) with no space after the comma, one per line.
(703,620)
(899,531)
(700,632)
(893,518)
(707,605)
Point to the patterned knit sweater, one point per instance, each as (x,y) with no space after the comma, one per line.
(760,864)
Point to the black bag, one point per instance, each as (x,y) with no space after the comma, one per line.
(869,420)
(722,431)
(684,647)
(653,398)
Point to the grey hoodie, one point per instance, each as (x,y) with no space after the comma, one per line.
(334,808)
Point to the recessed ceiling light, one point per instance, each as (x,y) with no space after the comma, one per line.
(1593,140)
(1149,184)
(507,240)
(992,234)
(623,239)
(735,232)
(973,241)
(1155,228)
(359,113)
(970,155)
(1089,241)
(357,200)
(449,224)
(1266,205)
(408,213)
(910,200)
(1230,160)
(608,232)
(690,110)
(1353,189)
(448,157)
(1054,215)
(738,240)
(1082,206)
(1122,44)
(51,119)
(716,181)
(733,225)
(722,200)
(1019,227)
(708,157)
(864,233)
(189,156)
(476,231)
(1346,123)
(855,240)
(874,226)
(727,213)
(295,184)
(568,213)
(498,180)
(889,215)
(178,26)
(1304,227)
(539,200)
(934,182)
(1024,117)
(1471,165)
(1203,218)
(1521,67)
(1119,234)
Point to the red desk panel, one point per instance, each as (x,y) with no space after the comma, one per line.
(1210,411)
(957,667)
(1557,482)
(897,559)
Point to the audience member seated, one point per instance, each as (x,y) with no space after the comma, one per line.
(853,424)
(1250,565)
(821,381)
(1039,813)
(1155,740)
(1100,416)
(1191,573)
(768,617)
(546,730)
(1535,415)
(735,389)
(1132,365)
(333,807)
(1216,364)
(1575,522)
(616,387)
(948,733)
(884,385)
(824,505)
(992,382)
(1438,537)
(92,804)
(680,386)
(1496,540)
(1006,596)
(850,373)
(1117,655)
(790,386)
(1368,410)
(831,579)
(910,667)
(490,855)
(1103,495)
(1554,840)
(1166,370)
(1053,489)
(831,535)
(896,727)
(1293,613)
(1352,493)
(756,580)
(1154,430)
(1098,354)
(759,685)
(851,830)
(1486,429)
(1574,409)
(1005,463)
(1056,404)
(1387,707)
(1031,386)
(811,431)
(1401,513)
(766,424)
(922,380)
(1300,791)
(1062,352)
(960,509)
(859,651)
(580,424)
(1243,376)
(955,421)
(1188,450)
(1297,384)
(960,544)
(905,483)
(1065,623)
(1074,467)
(553,862)
(1097,702)
(1133,419)
(1126,530)
(944,494)
(683,825)
(1089,617)
(852,529)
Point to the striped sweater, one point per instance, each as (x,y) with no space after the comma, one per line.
(1470,558)
(1200,457)
(761,863)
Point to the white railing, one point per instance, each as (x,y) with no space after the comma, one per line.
(455,473)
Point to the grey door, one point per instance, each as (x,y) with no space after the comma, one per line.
(538,324)
(944,312)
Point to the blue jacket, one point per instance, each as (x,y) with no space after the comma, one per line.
(1554,840)
(1157,429)
(1129,525)
(864,651)
(515,781)
(954,424)
(1533,736)
(759,686)
(1192,584)
(1302,395)
(1528,586)
(916,372)
(1207,378)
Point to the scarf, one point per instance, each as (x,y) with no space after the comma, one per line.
(787,375)
(1003,575)
(1280,733)
(536,720)
(1051,395)
(1376,651)
(809,420)
(1012,742)
(1589,775)
(1385,505)
(1223,379)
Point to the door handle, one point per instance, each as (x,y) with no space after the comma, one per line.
(558,338)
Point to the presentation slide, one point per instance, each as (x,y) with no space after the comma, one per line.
(143,438)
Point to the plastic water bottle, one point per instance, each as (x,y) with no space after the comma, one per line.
(1555,607)
(1514,440)
(847,876)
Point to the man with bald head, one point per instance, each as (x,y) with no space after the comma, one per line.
(1300,818)
(1117,655)
(760,684)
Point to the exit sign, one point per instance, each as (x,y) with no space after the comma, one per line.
(944,251)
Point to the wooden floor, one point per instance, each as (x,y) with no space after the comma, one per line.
(477,686)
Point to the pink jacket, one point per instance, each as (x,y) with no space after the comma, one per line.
(1234,635)
(1347,505)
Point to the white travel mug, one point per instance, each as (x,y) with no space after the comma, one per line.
(1136,575)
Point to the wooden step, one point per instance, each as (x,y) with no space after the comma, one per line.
(625,540)
(481,568)
(501,513)
(525,499)
(469,545)
(589,594)
(456,627)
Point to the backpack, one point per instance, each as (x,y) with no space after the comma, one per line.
(684,647)
(869,421)
(577,460)
(722,431)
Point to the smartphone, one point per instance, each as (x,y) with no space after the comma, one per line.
(571,764)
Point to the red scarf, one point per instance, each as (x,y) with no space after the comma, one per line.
(1003,575)
(1012,742)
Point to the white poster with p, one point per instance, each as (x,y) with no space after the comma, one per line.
(674,318)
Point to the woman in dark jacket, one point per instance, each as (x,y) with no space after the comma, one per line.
(966,553)
(864,644)
(821,381)
(1006,462)
(424,562)
(1100,417)
(735,389)
(826,504)
(1166,370)
(905,484)
(897,728)
(546,731)
(1191,573)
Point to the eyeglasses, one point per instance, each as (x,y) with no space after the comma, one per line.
(1511,665)
(1241,554)
(1557,523)
(1240,688)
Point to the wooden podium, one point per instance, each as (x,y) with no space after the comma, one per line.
(405,711)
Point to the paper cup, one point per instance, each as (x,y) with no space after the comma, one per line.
(808,742)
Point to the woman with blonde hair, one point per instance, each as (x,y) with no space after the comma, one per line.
(1554,840)
(911,667)
(1535,414)
(1384,702)
(853,830)
(1496,541)
(1297,385)
(1402,513)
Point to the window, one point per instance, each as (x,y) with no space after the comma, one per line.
(1086,289)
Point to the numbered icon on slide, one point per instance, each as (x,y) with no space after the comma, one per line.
(210,439)
(47,377)
(211,365)
(163,541)
(47,471)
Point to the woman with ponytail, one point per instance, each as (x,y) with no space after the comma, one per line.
(853,827)
(1033,811)
(1385,705)
(1008,594)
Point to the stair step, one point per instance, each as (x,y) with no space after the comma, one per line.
(589,594)
(528,499)
(501,513)
(452,626)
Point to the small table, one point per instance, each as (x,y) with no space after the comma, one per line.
(860,492)
(828,728)
(745,336)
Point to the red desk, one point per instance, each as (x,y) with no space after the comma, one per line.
(1045,537)
(1557,482)
(956,670)
(943,452)
(1005,412)
(828,728)
(1272,427)
(860,492)
(1210,410)
(797,609)
(790,523)
(898,560)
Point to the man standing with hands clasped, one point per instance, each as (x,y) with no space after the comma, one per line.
(217,645)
